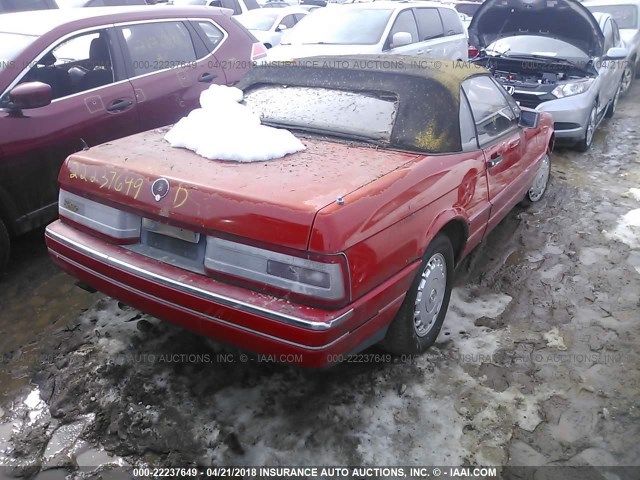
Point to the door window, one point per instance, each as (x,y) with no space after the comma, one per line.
(212,35)
(429,23)
(451,22)
(158,46)
(76,65)
(289,21)
(467,127)
(493,116)
(405,22)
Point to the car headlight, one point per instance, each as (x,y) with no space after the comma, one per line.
(320,279)
(572,88)
(117,225)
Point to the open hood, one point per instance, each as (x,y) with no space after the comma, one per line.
(566,20)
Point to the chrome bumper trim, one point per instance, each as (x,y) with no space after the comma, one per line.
(200,314)
(205,294)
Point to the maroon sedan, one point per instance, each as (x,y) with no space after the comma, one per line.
(71,79)
(325,251)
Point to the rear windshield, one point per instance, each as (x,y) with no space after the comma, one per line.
(11,44)
(351,27)
(626,16)
(326,111)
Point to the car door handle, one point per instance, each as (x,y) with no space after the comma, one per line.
(207,77)
(419,52)
(513,144)
(495,159)
(119,105)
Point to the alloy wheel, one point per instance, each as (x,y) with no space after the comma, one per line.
(541,181)
(431,292)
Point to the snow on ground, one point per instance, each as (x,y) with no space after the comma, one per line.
(466,306)
(628,229)
(223,129)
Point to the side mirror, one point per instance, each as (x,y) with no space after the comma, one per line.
(30,95)
(616,53)
(529,118)
(401,39)
(281,28)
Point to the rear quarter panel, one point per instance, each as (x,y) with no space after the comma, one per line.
(387,225)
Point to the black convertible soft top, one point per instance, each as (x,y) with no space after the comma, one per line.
(427,91)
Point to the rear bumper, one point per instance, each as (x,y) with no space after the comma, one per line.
(253,321)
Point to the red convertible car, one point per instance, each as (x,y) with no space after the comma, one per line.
(319,254)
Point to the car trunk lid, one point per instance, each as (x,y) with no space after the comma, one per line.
(269,201)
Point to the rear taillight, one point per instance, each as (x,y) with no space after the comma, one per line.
(319,280)
(258,51)
(473,52)
(108,222)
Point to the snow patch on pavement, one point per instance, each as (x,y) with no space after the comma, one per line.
(35,405)
(554,339)
(223,129)
(628,229)
(465,307)
(633,193)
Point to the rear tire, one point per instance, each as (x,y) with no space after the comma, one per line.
(5,246)
(422,313)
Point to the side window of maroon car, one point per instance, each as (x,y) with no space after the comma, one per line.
(76,65)
(158,46)
(491,111)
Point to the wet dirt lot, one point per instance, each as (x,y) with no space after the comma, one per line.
(537,363)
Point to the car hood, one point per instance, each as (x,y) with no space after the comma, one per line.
(289,52)
(566,20)
(274,201)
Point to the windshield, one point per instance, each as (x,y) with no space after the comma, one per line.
(260,20)
(535,45)
(324,110)
(11,44)
(352,27)
(626,16)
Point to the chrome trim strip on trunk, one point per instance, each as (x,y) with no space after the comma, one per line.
(199,292)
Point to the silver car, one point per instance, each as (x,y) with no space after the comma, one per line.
(556,57)
(405,28)
(626,13)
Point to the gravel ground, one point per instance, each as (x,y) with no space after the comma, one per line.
(537,363)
